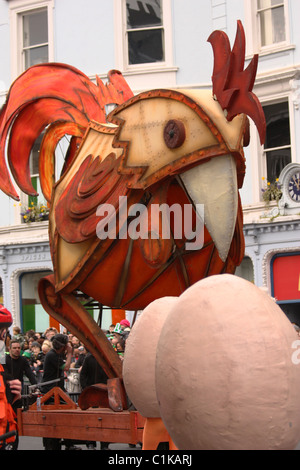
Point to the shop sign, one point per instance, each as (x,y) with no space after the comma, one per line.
(286,277)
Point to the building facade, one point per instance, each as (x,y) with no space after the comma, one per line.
(163,44)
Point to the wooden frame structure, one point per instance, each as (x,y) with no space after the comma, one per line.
(68,421)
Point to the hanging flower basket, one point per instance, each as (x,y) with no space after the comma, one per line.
(35,213)
(271,191)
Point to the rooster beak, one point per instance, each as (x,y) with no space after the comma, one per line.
(214,185)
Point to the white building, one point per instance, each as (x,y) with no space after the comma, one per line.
(163,43)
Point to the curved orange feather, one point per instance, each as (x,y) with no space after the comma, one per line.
(22,137)
(54,134)
(42,95)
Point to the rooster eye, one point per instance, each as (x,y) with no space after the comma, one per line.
(174,134)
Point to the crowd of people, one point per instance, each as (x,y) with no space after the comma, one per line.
(37,358)
(26,352)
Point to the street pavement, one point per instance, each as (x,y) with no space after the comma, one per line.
(36,443)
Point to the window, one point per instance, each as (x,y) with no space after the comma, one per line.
(31,34)
(267,26)
(145,34)
(34,173)
(271,17)
(246,270)
(35,37)
(60,154)
(277,147)
(33,316)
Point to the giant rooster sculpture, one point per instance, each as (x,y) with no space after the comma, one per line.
(161,146)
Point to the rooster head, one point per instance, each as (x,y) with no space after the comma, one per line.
(184,135)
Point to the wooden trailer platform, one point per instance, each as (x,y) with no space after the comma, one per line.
(69,421)
(96,424)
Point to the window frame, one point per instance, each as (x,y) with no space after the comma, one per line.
(257,151)
(17,9)
(121,40)
(270,89)
(259,11)
(28,48)
(252,25)
(265,151)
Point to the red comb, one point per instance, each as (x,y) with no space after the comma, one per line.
(232,85)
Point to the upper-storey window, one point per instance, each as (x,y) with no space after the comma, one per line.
(267,26)
(35,47)
(272,25)
(277,146)
(144,31)
(31,26)
(143,34)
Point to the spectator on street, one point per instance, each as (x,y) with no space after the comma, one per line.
(75,345)
(18,365)
(46,346)
(10,389)
(17,334)
(57,362)
(92,373)
(50,332)
(25,346)
(125,325)
(82,354)
(37,359)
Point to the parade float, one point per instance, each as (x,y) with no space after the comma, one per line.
(178,149)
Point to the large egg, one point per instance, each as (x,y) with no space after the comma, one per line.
(225,375)
(140,354)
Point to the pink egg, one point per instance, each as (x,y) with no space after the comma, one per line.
(225,374)
(140,354)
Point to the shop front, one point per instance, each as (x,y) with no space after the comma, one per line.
(285,283)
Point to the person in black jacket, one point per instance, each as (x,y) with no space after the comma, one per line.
(10,389)
(56,363)
(18,365)
(92,373)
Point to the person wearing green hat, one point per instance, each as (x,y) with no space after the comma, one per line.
(118,340)
(27,353)
(118,329)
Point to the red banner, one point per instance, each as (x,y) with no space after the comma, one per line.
(286,277)
(117,315)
